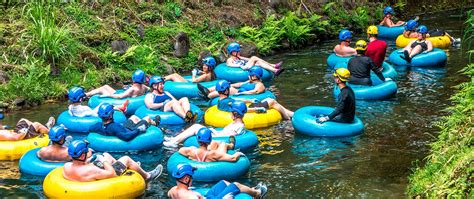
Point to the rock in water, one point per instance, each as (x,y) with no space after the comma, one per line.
(248,50)
(120,46)
(181,45)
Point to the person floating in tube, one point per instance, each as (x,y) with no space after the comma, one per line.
(387,19)
(57,151)
(136,89)
(206,74)
(235,60)
(77,96)
(376,49)
(344,49)
(25,129)
(417,46)
(361,65)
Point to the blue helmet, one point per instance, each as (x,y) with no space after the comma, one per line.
(239,107)
(256,71)
(57,133)
(388,10)
(77,148)
(106,111)
(155,80)
(204,135)
(1,116)
(234,46)
(345,35)
(222,85)
(422,29)
(411,25)
(138,77)
(182,170)
(209,61)
(76,94)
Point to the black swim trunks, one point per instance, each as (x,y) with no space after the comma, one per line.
(130,125)
(259,104)
(119,168)
(31,132)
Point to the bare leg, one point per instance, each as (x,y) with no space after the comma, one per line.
(184,102)
(245,189)
(176,108)
(132,165)
(175,77)
(187,133)
(109,158)
(416,50)
(6,135)
(40,128)
(262,63)
(214,94)
(103,90)
(287,114)
(134,119)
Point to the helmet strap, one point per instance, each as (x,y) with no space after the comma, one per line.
(185,183)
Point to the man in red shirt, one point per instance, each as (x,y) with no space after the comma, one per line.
(376,49)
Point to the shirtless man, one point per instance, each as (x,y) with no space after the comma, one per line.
(26,129)
(137,89)
(387,19)
(84,169)
(343,49)
(183,174)
(56,152)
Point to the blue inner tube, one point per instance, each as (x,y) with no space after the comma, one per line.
(435,58)
(304,122)
(212,171)
(31,164)
(260,97)
(333,60)
(388,70)
(390,33)
(167,118)
(151,139)
(186,89)
(234,74)
(135,102)
(82,124)
(203,192)
(245,141)
(378,91)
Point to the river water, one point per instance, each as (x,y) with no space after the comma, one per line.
(373,165)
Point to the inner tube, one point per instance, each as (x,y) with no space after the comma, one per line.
(244,141)
(252,120)
(259,97)
(82,124)
(186,89)
(203,192)
(151,139)
(334,59)
(134,102)
(388,70)
(390,32)
(438,42)
(31,164)
(304,122)
(212,171)
(128,185)
(435,58)
(378,91)
(237,74)
(167,118)
(13,150)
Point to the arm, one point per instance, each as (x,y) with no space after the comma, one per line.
(339,107)
(377,70)
(430,46)
(107,172)
(228,158)
(185,151)
(238,85)
(259,88)
(149,102)
(127,93)
(408,47)
(97,128)
(201,78)
(125,134)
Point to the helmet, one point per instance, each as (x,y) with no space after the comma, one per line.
(183,170)
(76,93)
(411,25)
(239,107)
(361,45)
(106,111)
(422,29)
(138,77)
(57,133)
(372,30)
(222,85)
(1,116)
(343,74)
(234,46)
(256,71)
(204,135)
(345,35)
(388,10)
(77,148)
(209,61)
(155,80)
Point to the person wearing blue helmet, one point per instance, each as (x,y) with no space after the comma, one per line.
(205,75)
(417,46)
(159,99)
(183,173)
(26,129)
(235,128)
(57,151)
(77,96)
(410,29)
(138,88)
(235,60)
(388,13)
(88,167)
(344,49)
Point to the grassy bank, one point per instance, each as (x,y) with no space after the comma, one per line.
(449,168)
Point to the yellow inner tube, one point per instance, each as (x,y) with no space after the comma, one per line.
(128,185)
(13,150)
(252,120)
(438,42)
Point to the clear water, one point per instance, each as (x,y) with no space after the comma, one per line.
(373,165)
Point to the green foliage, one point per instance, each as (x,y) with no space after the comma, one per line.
(267,37)
(468,35)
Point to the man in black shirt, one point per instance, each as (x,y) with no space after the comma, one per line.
(360,67)
(345,109)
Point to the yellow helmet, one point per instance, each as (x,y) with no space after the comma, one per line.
(361,45)
(343,74)
(372,30)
